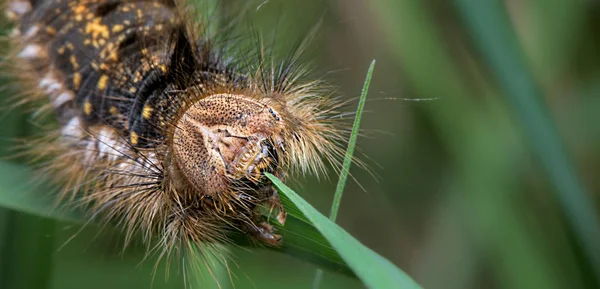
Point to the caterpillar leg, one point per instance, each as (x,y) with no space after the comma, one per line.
(264,233)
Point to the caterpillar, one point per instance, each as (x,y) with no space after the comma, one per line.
(159,128)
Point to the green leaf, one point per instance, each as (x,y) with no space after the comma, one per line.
(374,270)
(19,192)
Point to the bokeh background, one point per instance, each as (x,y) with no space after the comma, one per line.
(455,194)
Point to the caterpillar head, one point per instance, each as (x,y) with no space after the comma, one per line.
(224,143)
(228,139)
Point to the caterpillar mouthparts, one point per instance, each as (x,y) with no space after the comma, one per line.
(160,129)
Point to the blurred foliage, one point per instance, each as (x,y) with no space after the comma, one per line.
(456,195)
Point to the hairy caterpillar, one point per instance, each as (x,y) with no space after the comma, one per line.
(161,130)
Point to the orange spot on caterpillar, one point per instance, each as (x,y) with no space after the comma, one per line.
(50,30)
(97,29)
(117,28)
(102,82)
(147,112)
(87,108)
(76,80)
(134,138)
(80,8)
(73,61)
(113,56)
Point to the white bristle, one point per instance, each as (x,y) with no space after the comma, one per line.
(62,99)
(106,144)
(32,31)
(50,84)
(19,7)
(30,51)
(72,129)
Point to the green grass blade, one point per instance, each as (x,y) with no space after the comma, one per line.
(374,271)
(19,192)
(339,190)
(493,35)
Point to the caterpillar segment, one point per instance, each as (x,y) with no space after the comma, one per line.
(158,131)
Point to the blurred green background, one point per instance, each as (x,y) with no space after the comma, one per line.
(458,194)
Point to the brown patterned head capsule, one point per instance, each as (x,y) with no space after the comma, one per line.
(224,140)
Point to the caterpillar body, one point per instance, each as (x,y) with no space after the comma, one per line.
(160,130)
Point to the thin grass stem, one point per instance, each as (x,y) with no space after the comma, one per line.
(339,190)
